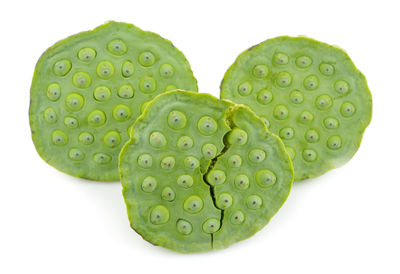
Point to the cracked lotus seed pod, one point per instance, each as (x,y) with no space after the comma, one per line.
(176,196)
(307,92)
(88,89)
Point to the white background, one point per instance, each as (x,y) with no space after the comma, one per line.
(346,221)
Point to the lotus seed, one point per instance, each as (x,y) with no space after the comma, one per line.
(265,178)
(97,118)
(86,138)
(147,84)
(166,71)
(347,109)
(216,177)
(81,80)
(105,70)
(235,161)
(284,79)
(281,59)
(59,138)
(281,112)
(184,142)
(312,136)
(342,87)
(62,67)
(127,69)
(257,155)
(101,158)
(303,62)
(209,151)
(334,142)
(54,92)
(149,184)
(286,133)
(168,163)
(224,201)
(191,162)
(212,225)
(245,89)
(125,91)
(157,139)
(309,155)
(146,59)
(184,227)
(176,119)
(121,113)
(145,160)
(50,116)
(260,71)
(87,55)
(102,93)
(193,204)
(71,122)
(76,154)
(237,137)
(311,82)
(242,181)
(326,69)
(112,138)
(237,217)
(264,97)
(306,117)
(168,194)
(117,47)
(323,102)
(296,97)
(207,125)
(159,215)
(185,181)
(254,202)
(74,101)
(331,123)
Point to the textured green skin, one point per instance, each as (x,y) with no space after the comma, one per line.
(140,203)
(273,197)
(136,41)
(350,128)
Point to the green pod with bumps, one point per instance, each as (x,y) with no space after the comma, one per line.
(88,89)
(176,196)
(307,92)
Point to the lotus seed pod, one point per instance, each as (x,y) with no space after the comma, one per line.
(88,90)
(189,191)
(313,97)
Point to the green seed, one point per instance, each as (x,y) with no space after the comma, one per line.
(254,202)
(176,119)
(211,225)
(159,215)
(87,55)
(185,181)
(149,184)
(184,227)
(184,142)
(168,194)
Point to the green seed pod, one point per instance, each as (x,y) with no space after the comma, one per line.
(91,87)
(314,92)
(218,186)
